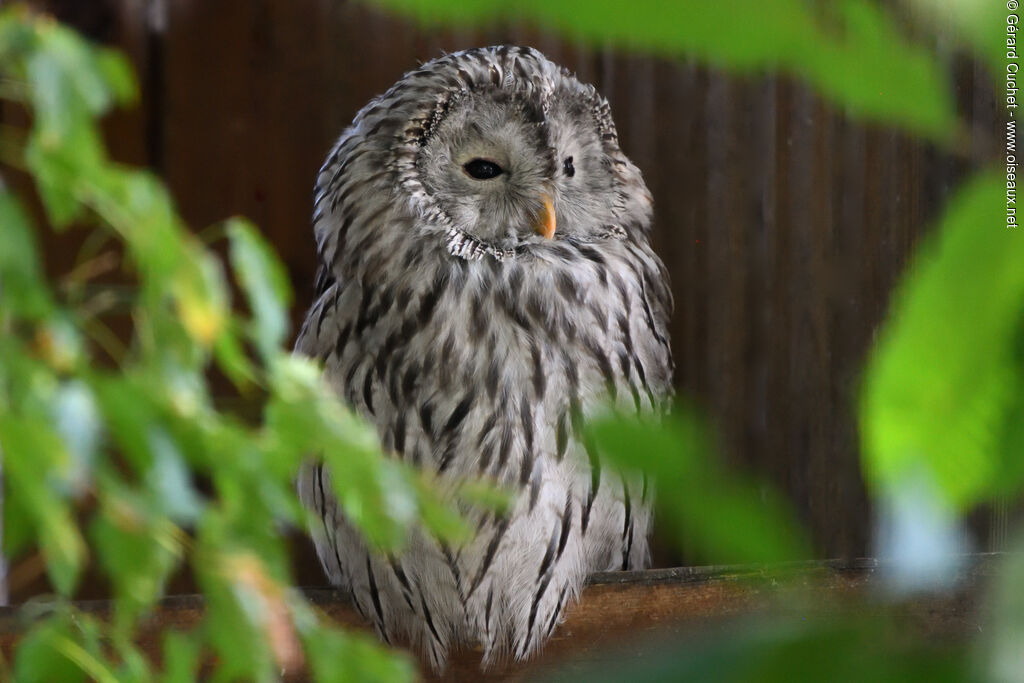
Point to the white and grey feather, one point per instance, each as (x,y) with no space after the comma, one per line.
(478,347)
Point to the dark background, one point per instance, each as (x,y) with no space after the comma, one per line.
(784,224)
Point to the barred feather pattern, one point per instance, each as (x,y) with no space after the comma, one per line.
(478,358)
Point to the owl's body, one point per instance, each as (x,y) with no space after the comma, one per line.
(477,346)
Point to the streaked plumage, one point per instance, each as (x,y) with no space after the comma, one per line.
(477,345)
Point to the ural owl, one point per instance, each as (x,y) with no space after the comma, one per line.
(485,284)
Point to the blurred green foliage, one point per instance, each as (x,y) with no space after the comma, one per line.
(104,431)
(719,516)
(944,391)
(106,425)
(787,650)
(849,50)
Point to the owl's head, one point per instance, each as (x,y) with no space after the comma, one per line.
(492,152)
(499,151)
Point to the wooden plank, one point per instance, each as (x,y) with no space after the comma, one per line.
(631,614)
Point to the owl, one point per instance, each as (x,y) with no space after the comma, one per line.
(485,285)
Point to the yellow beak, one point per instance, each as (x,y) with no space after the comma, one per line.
(545,224)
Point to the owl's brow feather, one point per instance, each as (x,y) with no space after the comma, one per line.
(507,73)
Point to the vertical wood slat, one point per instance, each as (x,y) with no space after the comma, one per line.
(784,224)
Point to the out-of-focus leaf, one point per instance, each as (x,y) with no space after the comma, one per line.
(137,548)
(238,615)
(129,413)
(22,288)
(64,146)
(249,518)
(77,420)
(850,51)
(337,657)
(65,647)
(780,651)
(118,76)
(18,531)
(132,664)
(39,657)
(170,480)
(232,359)
(58,343)
(16,34)
(1010,434)
(56,103)
(139,208)
(487,495)
(979,25)
(943,376)
(1011,465)
(201,295)
(182,390)
(721,516)
(265,282)
(1001,648)
(59,165)
(919,536)
(306,419)
(181,658)
(439,516)
(73,59)
(30,450)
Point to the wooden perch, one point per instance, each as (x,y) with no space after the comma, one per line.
(626,614)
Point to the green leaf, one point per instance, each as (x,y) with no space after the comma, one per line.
(29,448)
(970,24)
(132,664)
(181,658)
(305,418)
(1002,640)
(721,516)
(488,495)
(39,657)
(74,61)
(265,282)
(337,657)
(944,377)
(237,615)
(202,299)
(232,359)
(23,290)
(848,647)
(170,481)
(440,517)
(77,420)
(128,412)
(137,548)
(140,210)
(62,156)
(18,531)
(64,646)
(55,102)
(849,51)
(118,74)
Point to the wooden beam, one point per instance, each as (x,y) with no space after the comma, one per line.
(632,612)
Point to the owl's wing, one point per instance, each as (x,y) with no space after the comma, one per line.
(655,312)
(328,213)
(312,340)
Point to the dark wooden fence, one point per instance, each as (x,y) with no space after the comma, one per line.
(784,223)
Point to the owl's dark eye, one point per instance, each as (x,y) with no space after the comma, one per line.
(482,169)
(567,166)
